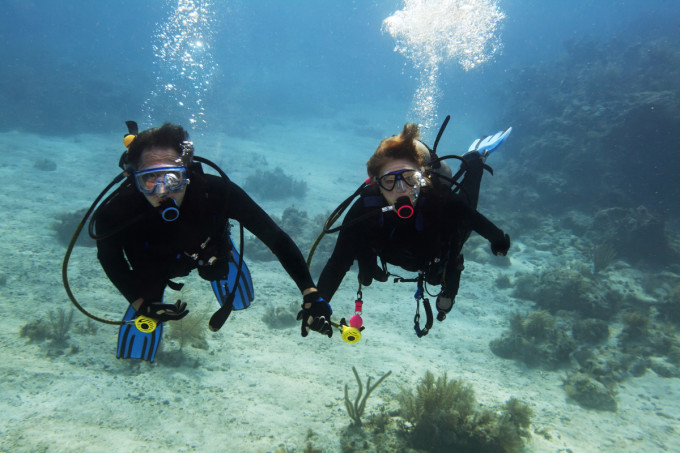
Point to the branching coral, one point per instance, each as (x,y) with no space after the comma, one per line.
(61,321)
(355,409)
(604,254)
(189,330)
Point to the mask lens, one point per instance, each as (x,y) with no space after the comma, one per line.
(172,178)
(408,176)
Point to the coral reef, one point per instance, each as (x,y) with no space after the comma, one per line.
(536,340)
(587,118)
(277,317)
(647,340)
(604,254)
(590,331)
(567,289)
(589,392)
(669,308)
(66,225)
(304,231)
(45,165)
(55,329)
(355,409)
(189,330)
(635,234)
(275,185)
(444,418)
(61,321)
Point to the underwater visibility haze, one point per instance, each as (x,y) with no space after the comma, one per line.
(570,343)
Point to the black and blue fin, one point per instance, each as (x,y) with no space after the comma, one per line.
(135,344)
(245,293)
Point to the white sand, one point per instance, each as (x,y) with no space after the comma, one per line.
(256,389)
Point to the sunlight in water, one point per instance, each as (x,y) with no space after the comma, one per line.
(432,32)
(184,63)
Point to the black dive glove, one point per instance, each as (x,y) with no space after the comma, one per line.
(315,307)
(500,248)
(163,312)
(213,272)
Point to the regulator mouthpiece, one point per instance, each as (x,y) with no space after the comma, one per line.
(404,207)
(168,210)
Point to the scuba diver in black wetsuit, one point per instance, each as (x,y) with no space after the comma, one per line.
(407,215)
(168,218)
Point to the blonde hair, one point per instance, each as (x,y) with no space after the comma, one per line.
(402,146)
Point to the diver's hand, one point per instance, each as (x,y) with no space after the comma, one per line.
(163,312)
(500,248)
(213,269)
(315,315)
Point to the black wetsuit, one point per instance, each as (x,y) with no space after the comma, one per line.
(432,238)
(141,258)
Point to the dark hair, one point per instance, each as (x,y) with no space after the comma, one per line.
(167,136)
(402,146)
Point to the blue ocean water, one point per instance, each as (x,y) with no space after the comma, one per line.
(586,185)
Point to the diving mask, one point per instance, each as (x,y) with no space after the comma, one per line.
(399,179)
(160,179)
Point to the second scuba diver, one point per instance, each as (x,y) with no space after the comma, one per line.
(168,218)
(408,216)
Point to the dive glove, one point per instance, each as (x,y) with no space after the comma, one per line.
(315,315)
(163,312)
(500,248)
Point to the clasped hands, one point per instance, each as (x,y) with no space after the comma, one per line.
(315,315)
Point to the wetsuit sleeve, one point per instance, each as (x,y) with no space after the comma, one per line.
(475,221)
(344,254)
(254,219)
(133,284)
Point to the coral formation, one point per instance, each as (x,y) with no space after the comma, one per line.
(635,234)
(670,307)
(65,226)
(55,329)
(189,331)
(590,331)
(355,409)
(277,317)
(604,254)
(304,231)
(589,392)
(567,289)
(599,100)
(45,165)
(275,185)
(445,418)
(536,339)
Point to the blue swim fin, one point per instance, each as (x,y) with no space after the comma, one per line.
(245,293)
(135,344)
(486,145)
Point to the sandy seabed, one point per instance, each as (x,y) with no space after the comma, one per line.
(255,388)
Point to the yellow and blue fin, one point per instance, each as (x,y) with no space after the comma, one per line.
(135,344)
